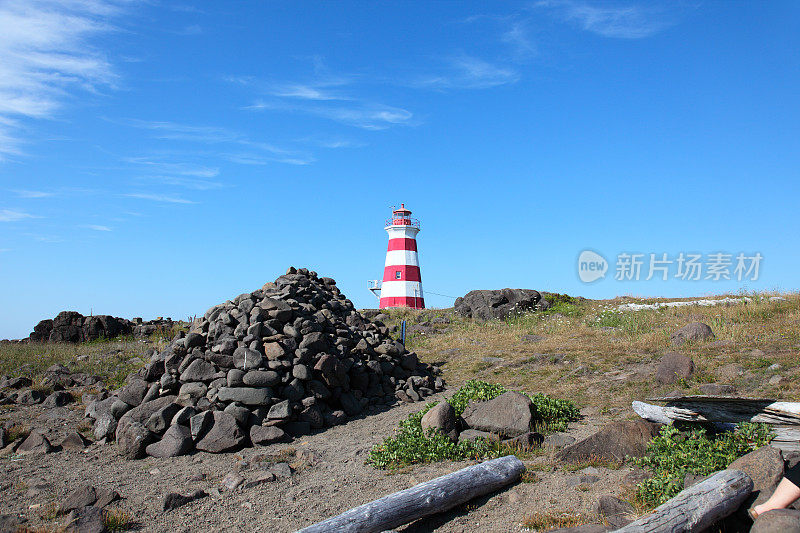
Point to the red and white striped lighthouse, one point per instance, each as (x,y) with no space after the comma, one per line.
(402,284)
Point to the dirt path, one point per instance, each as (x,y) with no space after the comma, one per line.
(333,480)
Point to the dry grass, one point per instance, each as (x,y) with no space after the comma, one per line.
(111,360)
(555,519)
(597,356)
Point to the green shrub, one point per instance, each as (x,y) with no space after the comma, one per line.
(673,454)
(411,445)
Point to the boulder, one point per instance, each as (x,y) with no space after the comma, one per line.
(558,441)
(496,304)
(695,331)
(57,399)
(263,435)
(74,441)
(777,521)
(259,378)
(133,438)
(473,434)
(245,395)
(176,441)
(508,415)
(105,427)
(79,498)
(198,370)
(30,397)
(35,443)
(88,519)
(615,511)
(614,442)
(673,367)
(717,389)
(247,359)
(765,467)
(173,500)
(526,441)
(224,435)
(442,418)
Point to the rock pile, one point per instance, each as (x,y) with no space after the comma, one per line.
(288,358)
(71,326)
(500,304)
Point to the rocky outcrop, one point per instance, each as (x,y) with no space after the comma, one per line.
(71,326)
(289,358)
(499,304)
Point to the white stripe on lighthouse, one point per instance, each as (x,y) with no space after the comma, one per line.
(391,289)
(401,257)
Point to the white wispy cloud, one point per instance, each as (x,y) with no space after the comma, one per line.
(238,148)
(46,52)
(159,198)
(467,72)
(186,132)
(33,194)
(306,92)
(192,29)
(96,227)
(14,215)
(4,250)
(628,21)
(361,115)
(517,36)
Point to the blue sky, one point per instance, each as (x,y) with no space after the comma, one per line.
(157,158)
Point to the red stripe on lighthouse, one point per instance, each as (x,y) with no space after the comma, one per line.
(402,301)
(407,273)
(403,244)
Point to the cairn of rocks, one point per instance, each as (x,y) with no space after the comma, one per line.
(289,358)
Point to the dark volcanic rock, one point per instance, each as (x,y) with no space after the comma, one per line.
(442,417)
(777,521)
(614,442)
(176,441)
(36,442)
(224,435)
(509,414)
(173,500)
(488,304)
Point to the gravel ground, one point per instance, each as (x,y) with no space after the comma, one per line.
(331,477)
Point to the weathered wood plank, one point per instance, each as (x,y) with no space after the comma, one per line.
(732,409)
(697,507)
(787,437)
(431,497)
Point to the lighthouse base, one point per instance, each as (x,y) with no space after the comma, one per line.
(402,301)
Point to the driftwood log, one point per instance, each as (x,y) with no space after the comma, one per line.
(431,497)
(724,413)
(697,507)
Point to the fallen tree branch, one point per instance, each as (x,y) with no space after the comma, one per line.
(431,497)
(697,507)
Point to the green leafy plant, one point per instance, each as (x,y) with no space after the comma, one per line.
(412,445)
(674,453)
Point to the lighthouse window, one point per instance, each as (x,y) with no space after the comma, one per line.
(397,274)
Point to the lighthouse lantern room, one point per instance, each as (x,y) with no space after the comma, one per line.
(402,283)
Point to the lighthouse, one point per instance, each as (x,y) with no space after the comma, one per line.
(402,284)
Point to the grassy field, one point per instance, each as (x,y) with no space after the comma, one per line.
(591,353)
(111,360)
